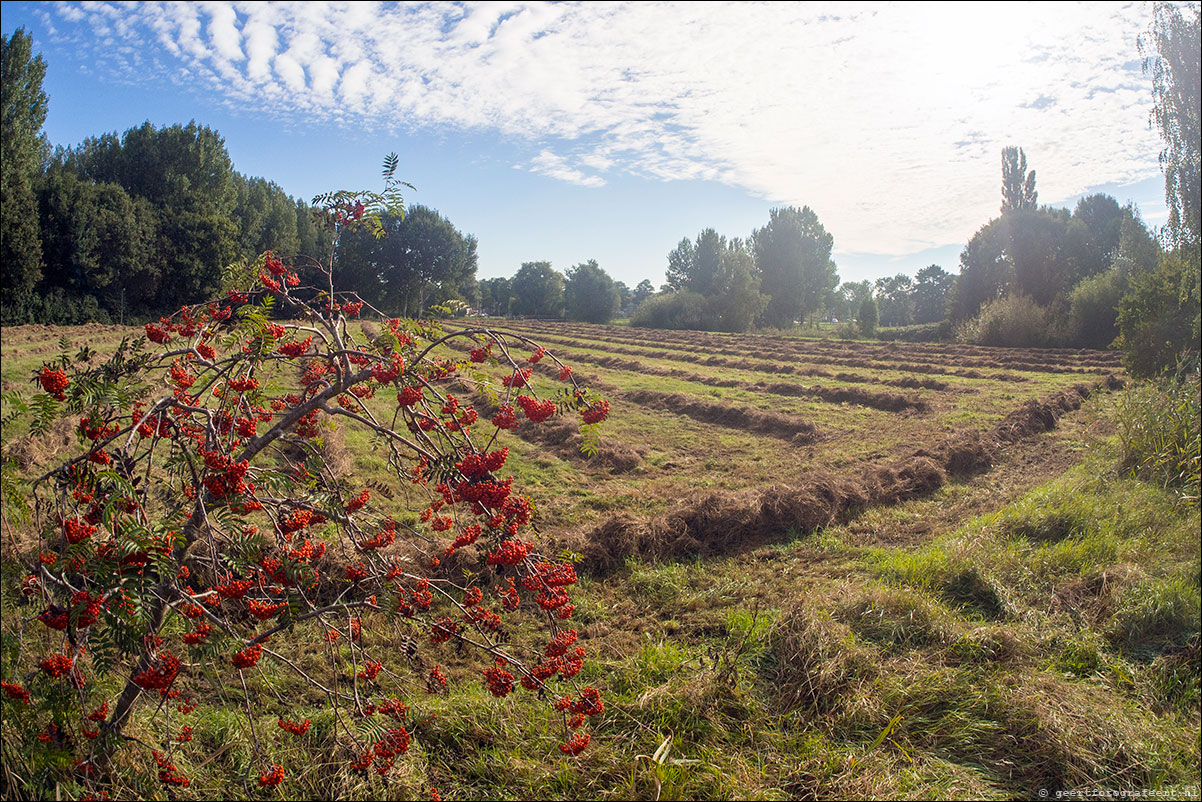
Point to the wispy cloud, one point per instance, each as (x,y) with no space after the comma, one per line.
(555,166)
(888,120)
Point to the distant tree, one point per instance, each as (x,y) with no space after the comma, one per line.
(421,259)
(266,219)
(1018,186)
(21,150)
(720,271)
(680,266)
(848,297)
(98,241)
(867,316)
(590,295)
(494,296)
(793,257)
(1047,253)
(537,290)
(186,174)
(624,305)
(1103,220)
(985,270)
(312,240)
(1170,49)
(697,266)
(737,301)
(895,300)
(642,291)
(1137,251)
(932,292)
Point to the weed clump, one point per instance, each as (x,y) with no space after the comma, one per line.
(816,661)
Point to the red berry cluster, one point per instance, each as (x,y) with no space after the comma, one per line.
(15,691)
(56,665)
(248,657)
(595,413)
(54,381)
(168,773)
(76,531)
(499,681)
(160,674)
(537,411)
(295,727)
(272,777)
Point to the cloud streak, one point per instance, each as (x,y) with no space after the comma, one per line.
(887,120)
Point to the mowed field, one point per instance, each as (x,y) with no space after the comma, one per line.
(810,569)
(722,442)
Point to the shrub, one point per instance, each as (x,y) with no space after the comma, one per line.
(677,310)
(1158,318)
(1093,310)
(202,526)
(1013,320)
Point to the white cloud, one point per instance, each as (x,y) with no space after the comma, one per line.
(888,120)
(549,164)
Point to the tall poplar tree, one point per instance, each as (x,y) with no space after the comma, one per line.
(21,148)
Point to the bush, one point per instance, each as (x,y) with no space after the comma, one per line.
(1158,318)
(1093,310)
(1013,321)
(677,310)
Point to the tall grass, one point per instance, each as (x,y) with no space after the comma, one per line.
(1158,429)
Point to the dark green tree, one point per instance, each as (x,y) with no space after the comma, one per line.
(266,219)
(590,295)
(186,174)
(793,258)
(1018,186)
(21,150)
(932,292)
(97,241)
(422,259)
(537,290)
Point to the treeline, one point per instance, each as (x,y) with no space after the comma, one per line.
(131,227)
(1095,277)
(778,276)
(135,226)
(585,293)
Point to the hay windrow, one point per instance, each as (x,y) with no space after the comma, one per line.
(720,524)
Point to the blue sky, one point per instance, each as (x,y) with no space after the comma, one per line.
(609,131)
